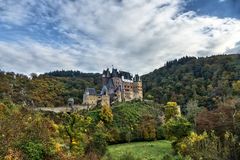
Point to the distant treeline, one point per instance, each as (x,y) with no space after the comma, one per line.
(71,73)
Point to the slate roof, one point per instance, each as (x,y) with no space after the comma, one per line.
(91,91)
(137,78)
(126,75)
(106,73)
(114,72)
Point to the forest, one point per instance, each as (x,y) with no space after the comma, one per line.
(207,80)
(46,90)
(208,127)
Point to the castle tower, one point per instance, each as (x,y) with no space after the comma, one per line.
(137,88)
(128,91)
(90,97)
(127,86)
(105,76)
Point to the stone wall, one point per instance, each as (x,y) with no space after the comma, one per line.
(90,100)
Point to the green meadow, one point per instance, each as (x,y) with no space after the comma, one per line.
(154,150)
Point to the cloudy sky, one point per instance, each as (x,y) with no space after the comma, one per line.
(134,35)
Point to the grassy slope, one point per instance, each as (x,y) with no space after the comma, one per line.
(144,150)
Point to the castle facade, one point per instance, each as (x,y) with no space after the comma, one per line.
(117,86)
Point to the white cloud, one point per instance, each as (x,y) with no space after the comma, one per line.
(13,12)
(134,35)
(148,34)
(30,56)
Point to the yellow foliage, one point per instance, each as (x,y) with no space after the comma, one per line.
(106,114)
(89,120)
(55,126)
(13,154)
(58,147)
(74,142)
(171,104)
(183,146)
(236,86)
(100,124)
(2,107)
(189,141)
(172,110)
(194,137)
(29,119)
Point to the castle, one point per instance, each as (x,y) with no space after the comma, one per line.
(117,86)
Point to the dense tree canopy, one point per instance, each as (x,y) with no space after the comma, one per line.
(206,80)
(47,90)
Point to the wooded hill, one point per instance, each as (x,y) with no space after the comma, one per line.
(46,90)
(207,80)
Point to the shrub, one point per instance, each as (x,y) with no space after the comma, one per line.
(106,114)
(209,146)
(33,150)
(160,133)
(148,127)
(171,110)
(236,87)
(13,154)
(177,128)
(97,145)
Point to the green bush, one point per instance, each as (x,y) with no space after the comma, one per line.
(160,133)
(33,150)
(98,143)
(177,128)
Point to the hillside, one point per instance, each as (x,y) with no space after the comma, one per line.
(87,134)
(134,121)
(46,90)
(206,80)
